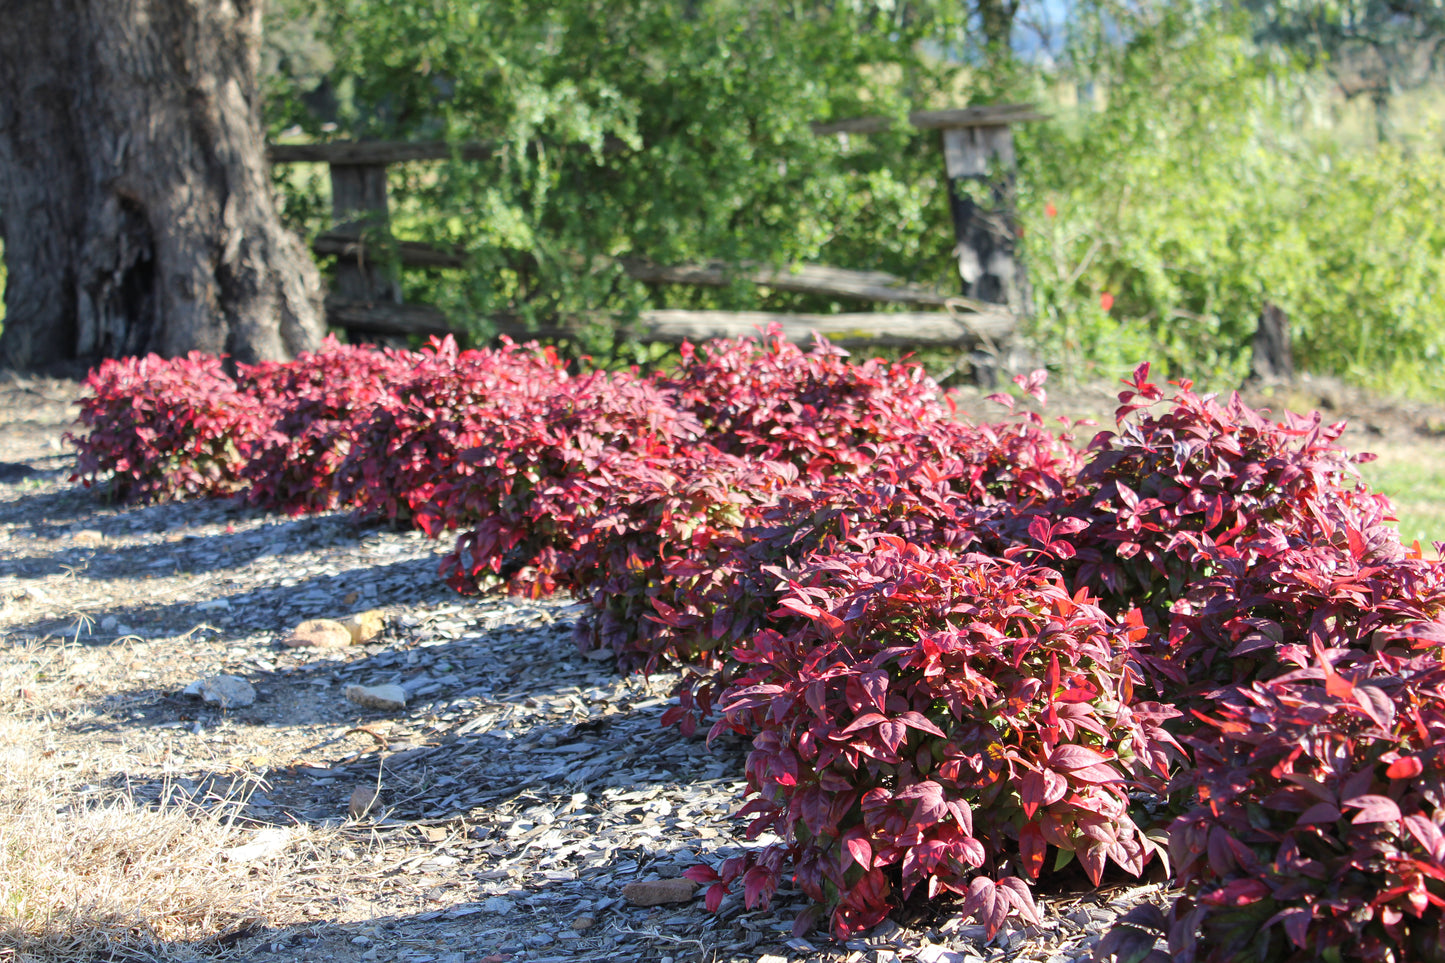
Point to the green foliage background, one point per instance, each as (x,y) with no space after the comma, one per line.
(1193,181)
(1203,189)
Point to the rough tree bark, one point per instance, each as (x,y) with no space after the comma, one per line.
(135,202)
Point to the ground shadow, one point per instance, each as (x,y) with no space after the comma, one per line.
(507,742)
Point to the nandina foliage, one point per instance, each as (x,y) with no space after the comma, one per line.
(526,483)
(765,398)
(952,716)
(408,444)
(1267,600)
(1171,485)
(710,586)
(672,530)
(317,402)
(1318,830)
(166,428)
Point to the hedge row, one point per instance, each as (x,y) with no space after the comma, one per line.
(964,653)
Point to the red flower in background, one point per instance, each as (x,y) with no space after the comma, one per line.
(1106,301)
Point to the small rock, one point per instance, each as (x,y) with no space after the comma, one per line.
(33,593)
(227,691)
(320,633)
(363,801)
(583,923)
(938,954)
(364,626)
(88,538)
(387,698)
(497,905)
(268,842)
(656,892)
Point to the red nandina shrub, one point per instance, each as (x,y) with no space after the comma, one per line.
(939,719)
(165,428)
(1264,603)
(317,402)
(1168,487)
(671,530)
(770,400)
(952,485)
(526,483)
(692,601)
(1317,834)
(408,444)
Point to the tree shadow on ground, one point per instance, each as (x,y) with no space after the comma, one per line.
(184,552)
(353,574)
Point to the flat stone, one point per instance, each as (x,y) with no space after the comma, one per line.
(387,698)
(267,842)
(657,892)
(226,691)
(319,633)
(363,800)
(364,626)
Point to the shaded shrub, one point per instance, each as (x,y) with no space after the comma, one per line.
(166,428)
(1317,834)
(408,444)
(940,720)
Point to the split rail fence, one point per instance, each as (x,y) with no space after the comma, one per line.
(365,298)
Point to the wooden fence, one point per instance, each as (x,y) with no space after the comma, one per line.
(977,144)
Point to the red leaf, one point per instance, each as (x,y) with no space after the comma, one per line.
(876,685)
(919,721)
(1428,834)
(1031,794)
(1019,894)
(1296,922)
(1240,892)
(892,733)
(1099,775)
(1069,757)
(1407,768)
(866,721)
(1319,813)
(1032,848)
(858,848)
(702,874)
(758,887)
(1374,809)
(715,894)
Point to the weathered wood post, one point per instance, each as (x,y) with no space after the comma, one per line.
(978,157)
(359,206)
(1272,361)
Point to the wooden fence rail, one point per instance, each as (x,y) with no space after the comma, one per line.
(977,142)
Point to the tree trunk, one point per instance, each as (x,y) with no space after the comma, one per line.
(135,200)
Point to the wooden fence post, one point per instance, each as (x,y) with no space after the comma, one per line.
(359,204)
(979,161)
(1272,361)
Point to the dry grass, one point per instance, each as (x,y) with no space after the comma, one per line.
(87,871)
